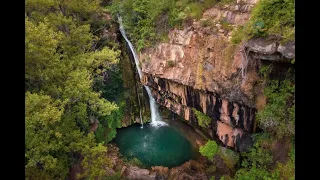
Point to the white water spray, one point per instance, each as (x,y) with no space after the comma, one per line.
(155,116)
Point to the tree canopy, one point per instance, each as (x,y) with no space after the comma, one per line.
(60,65)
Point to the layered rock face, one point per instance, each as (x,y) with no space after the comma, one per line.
(199,68)
(229,120)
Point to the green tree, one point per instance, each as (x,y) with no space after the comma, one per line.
(203,119)
(209,149)
(60,66)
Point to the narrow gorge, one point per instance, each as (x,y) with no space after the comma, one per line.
(155,90)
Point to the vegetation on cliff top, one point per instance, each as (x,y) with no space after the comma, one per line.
(269,17)
(147,21)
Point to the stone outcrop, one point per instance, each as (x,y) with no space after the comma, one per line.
(270,49)
(229,120)
(136,173)
(199,68)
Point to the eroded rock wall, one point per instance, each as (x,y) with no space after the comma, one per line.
(198,67)
(229,119)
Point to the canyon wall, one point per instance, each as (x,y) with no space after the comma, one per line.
(198,67)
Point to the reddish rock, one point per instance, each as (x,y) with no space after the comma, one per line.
(225,133)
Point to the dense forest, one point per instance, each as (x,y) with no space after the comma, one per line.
(66,62)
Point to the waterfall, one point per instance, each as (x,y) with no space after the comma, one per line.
(155,116)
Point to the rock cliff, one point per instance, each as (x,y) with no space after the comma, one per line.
(198,67)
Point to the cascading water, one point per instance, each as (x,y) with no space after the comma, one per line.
(155,116)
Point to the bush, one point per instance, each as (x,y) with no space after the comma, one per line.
(269,17)
(238,35)
(287,170)
(230,158)
(140,17)
(209,149)
(115,176)
(171,63)
(253,174)
(278,116)
(206,23)
(225,177)
(203,119)
(211,169)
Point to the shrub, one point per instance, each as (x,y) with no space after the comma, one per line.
(238,35)
(171,63)
(209,149)
(140,17)
(225,25)
(206,23)
(203,119)
(230,158)
(225,177)
(278,116)
(115,176)
(287,170)
(253,174)
(269,17)
(211,169)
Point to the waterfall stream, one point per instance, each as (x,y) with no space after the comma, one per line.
(155,116)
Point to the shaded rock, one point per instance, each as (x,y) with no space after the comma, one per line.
(244,143)
(287,49)
(262,46)
(191,170)
(135,173)
(161,172)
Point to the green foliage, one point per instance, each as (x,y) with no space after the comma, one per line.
(94,162)
(144,20)
(278,116)
(238,35)
(136,162)
(230,158)
(258,157)
(225,177)
(203,119)
(257,163)
(209,149)
(287,170)
(212,178)
(269,17)
(171,63)
(206,23)
(60,65)
(253,174)
(225,25)
(211,169)
(115,176)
